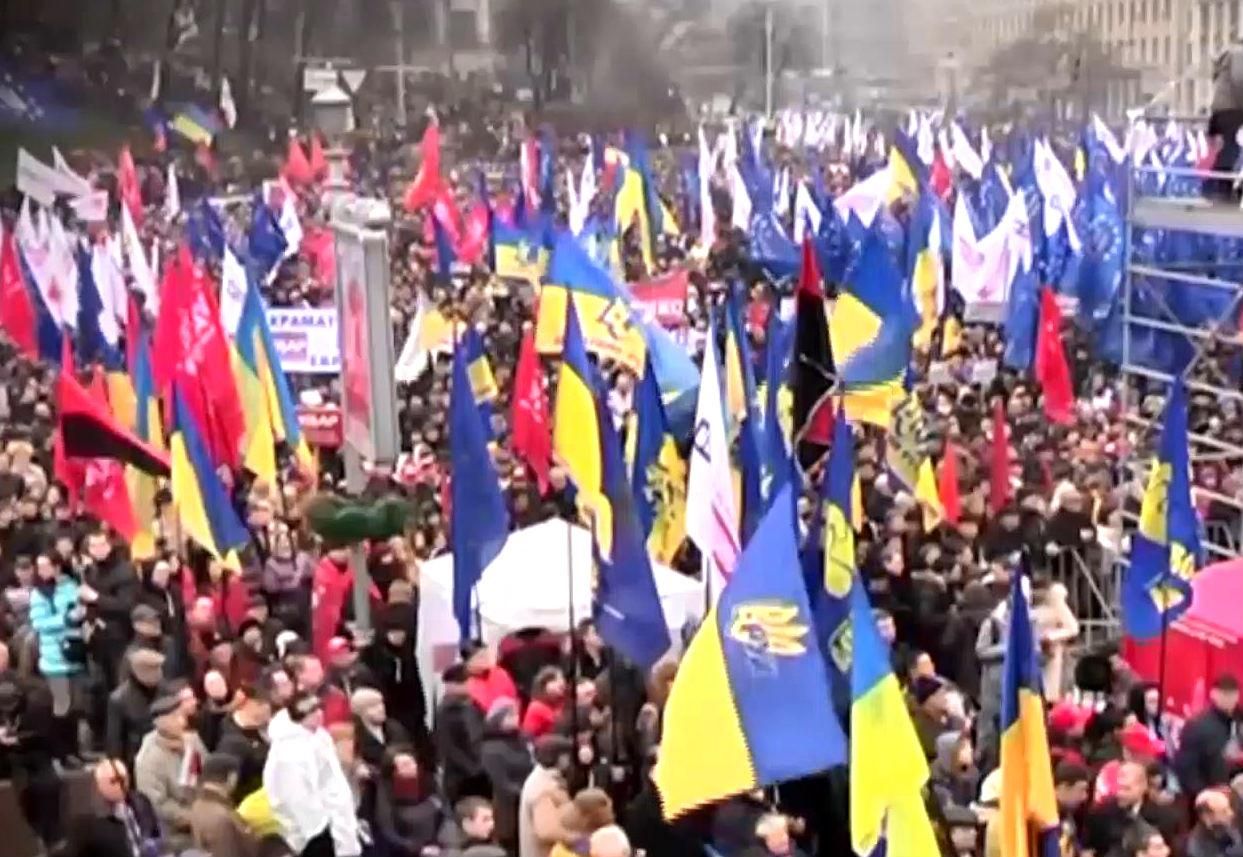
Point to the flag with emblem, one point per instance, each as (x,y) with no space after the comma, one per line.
(907,459)
(754,661)
(658,471)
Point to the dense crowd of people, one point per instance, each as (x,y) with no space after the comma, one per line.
(239,714)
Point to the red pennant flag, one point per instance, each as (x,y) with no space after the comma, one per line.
(531,439)
(190,348)
(297,170)
(1052,371)
(104,491)
(947,484)
(128,186)
(426,185)
(940,178)
(999,490)
(17,311)
(319,163)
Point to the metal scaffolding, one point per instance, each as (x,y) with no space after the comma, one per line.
(1153,310)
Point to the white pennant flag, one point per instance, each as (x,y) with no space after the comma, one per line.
(110,283)
(806,214)
(72,183)
(227,106)
(711,514)
(172,193)
(233,286)
(414,359)
(707,213)
(140,268)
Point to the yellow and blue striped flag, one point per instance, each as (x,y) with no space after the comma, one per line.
(1029,814)
(1165,549)
(203,507)
(482,381)
(888,769)
(754,663)
(149,427)
(576,423)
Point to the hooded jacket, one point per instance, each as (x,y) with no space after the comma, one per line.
(307,789)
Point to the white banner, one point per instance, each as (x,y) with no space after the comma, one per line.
(306,340)
(91,208)
(36,179)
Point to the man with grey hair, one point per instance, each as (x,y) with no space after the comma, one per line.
(610,841)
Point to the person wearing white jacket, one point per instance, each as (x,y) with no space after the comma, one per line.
(308,791)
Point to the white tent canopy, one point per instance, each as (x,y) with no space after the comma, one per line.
(528,585)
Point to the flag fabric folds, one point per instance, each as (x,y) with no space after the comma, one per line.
(909,463)
(148,427)
(658,471)
(888,769)
(479,519)
(627,607)
(610,325)
(711,510)
(89,430)
(1165,549)
(752,663)
(575,419)
(1051,369)
(1000,491)
(813,370)
(529,437)
(947,484)
(17,312)
(482,382)
(203,506)
(1029,811)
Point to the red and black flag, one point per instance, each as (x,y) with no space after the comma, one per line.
(814,372)
(89,430)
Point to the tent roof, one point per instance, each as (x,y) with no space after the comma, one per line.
(1218,592)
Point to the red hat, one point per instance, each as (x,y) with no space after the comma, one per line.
(338,646)
(1138,741)
(1066,717)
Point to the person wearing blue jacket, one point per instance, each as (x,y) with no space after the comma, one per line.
(56,617)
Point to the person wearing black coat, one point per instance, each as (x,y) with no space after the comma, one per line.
(158,590)
(507,760)
(459,732)
(26,752)
(394,669)
(111,589)
(243,736)
(1201,761)
(126,815)
(406,819)
(374,730)
(129,706)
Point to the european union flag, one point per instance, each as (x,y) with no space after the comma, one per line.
(206,231)
(479,519)
(26,100)
(267,242)
(1165,549)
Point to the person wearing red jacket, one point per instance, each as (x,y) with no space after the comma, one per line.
(547,703)
(486,682)
(332,589)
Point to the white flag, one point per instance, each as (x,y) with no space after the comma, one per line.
(1057,189)
(741,217)
(36,179)
(707,214)
(806,214)
(865,198)
(172,193)
(140,268)
(72,183)
(110,283)
(965,154)
(233,287)
(57,277)
(227,107)
(413,360)
(711,516)
(91,208)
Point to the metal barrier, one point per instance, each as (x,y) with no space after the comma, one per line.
(1093,584)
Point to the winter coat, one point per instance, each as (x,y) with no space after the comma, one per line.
(118,588)
(1200,761)
(103,834)
(404,826)
(250,748)
(306,787)
(166,772)
(506,758)
(217,829)
(459,730)
(396,675)
(48,618)
(128,719)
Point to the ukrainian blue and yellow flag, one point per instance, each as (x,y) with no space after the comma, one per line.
(149,427)
(627,606)
(743,414)
(271,415)
(608,322)
(576,422)
(907,459)
(518,255)
(1165,549)
(908,174)
(828,557)
(755,665)
(925,268)
(870,331)
(203,507)
(888,769)
(1029,814)
(630,207)
(658,471)
(482,381)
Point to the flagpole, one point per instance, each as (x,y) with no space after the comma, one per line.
(574,671)
(1165,628)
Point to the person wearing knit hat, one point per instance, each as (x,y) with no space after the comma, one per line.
(506,756)
(390,665)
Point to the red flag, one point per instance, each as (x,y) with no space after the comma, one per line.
(318,246)
(999,491)
(128,186)
(532,441)
(940,178)
(17,312)
(68,473)
(474,238)
(133,332)
(104,491)
(204,158)
(426,185)
(947,484)
(297,170)
(189,347)
(319,163)
(813,363)
(1052,371)
(87,427)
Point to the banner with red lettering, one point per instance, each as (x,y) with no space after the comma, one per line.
(663,299)
(321,426)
